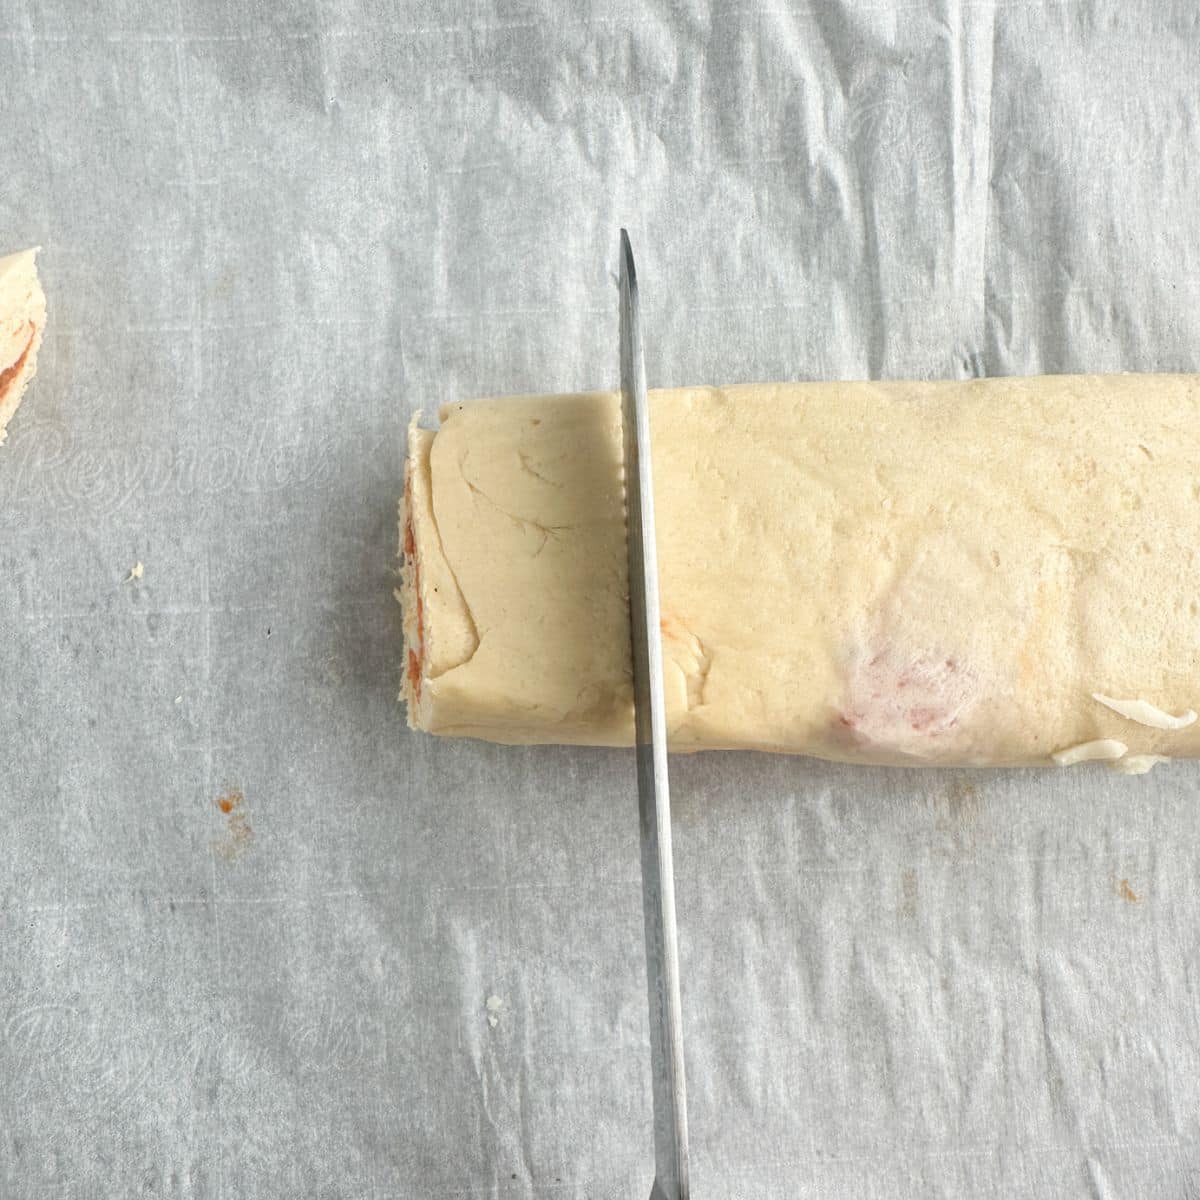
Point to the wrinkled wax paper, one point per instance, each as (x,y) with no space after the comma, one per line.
(256,939)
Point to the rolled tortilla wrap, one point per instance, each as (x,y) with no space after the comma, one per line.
(905,573)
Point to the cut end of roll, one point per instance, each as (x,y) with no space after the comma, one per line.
(22,321)
(409,592)
(439,630)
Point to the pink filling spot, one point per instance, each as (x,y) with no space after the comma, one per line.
(901,701)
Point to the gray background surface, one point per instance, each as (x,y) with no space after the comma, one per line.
(272,231)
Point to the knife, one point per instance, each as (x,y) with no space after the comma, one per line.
(654,797)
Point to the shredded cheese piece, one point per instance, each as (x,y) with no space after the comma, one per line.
(1145,713)
(1102,748)
(1138,764)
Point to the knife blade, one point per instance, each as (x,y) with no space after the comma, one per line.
(654,797)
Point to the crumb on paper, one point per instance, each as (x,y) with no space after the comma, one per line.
(178,699)
(238,835)
(494,1005)
(135,572)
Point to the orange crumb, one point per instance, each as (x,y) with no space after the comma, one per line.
(230,800)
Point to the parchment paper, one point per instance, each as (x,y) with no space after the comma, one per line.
(399,967)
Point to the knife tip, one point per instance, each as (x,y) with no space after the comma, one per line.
(627,256)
